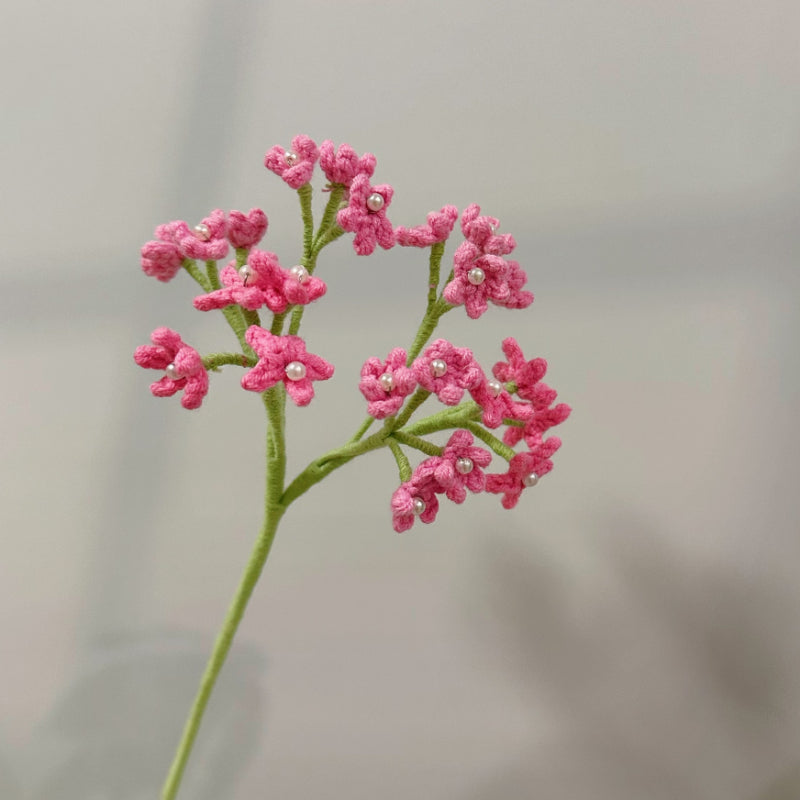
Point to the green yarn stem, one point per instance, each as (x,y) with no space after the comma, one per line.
(403,464)
(241,256)
(329,215)
(213,275)
(191,267)
(437,251)
(429,448)
(305,192)
(503,450)
(363,428)
(274,401)
(217,360)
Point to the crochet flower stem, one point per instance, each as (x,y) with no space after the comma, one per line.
(274,401)
(329,215)
(403,464)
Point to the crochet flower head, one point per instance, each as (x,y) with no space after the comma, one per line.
(161,260)
(246,230)
(296,165)
(460,466)
(480,231)
(438,228)
(342,165)
(182,364)
(206,241)
(365,215)
(284,358)
(447,370)
(524,470)
(416,498)
(386,384)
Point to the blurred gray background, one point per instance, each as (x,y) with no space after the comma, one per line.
(631,629)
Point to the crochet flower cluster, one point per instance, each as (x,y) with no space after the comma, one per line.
(252,282)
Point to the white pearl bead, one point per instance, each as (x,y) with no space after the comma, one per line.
(464,465)
(291,159)
(375,201)
(386,381)
(494,227)
(172,372)
(531,480)
(295,371)
(419,506)
(245,273)
(299,272)
(495,387)
(438,368)
(202,231)
(476,276)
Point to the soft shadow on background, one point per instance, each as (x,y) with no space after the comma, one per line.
(630,630)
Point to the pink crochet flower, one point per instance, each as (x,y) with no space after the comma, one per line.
(540,421)
(480,231)
(161,260)
(447,371)
(295,166)
(415,498)
(477,279)
(246,230)
(526,375)
(284,358)
(458,468)
(497,404)
(524,470)
(366,215)
(438,228)
(386,384)
(183,365)
(263,283)
(343,165)
(517,278)
(205,242)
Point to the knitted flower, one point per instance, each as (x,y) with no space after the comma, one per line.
(439,227)
(516,279)
(263,282)
(497,404)
(526,375)
(206,241)
(416,498)
(480,231)
(161,260)
(295,166)
(539,422)
(366,215)
(477,279)
(182,364)
(284,358)
(447,371)
(245,230)
(386,384)
(458,468)
(524,470)
(343,165)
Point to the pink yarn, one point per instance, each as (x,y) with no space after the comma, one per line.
(438,228)
(536,462)
(370,227)
(268,285)
(517,278)
(343,165)
(462,372)
(193,243)
(446,472)
(298,173)
(161,260)
(423,486)
(383,403)
(525,374)
(498,407)
(246,230)
(494,285)
(169,350)
(480,230)
(275,354)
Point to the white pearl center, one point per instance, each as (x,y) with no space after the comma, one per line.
(202,231)
(495,387)
(245,273)
(464,465)
(172,372)
(386,381)
(295,371)
(419,506)
(291,159)
(476,276)
(300,273)
(438,368)
(531,480)
(375,201)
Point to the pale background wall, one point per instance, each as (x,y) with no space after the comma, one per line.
(631,630)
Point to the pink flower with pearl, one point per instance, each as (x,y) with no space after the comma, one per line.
(295,166)
(524,470)
(182,364)
(365,215)
(447,371)
(284,358)
(341,166)
(205,242)
(459,467)
(246,230)
(416,498)
(480,231)
(385,384)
